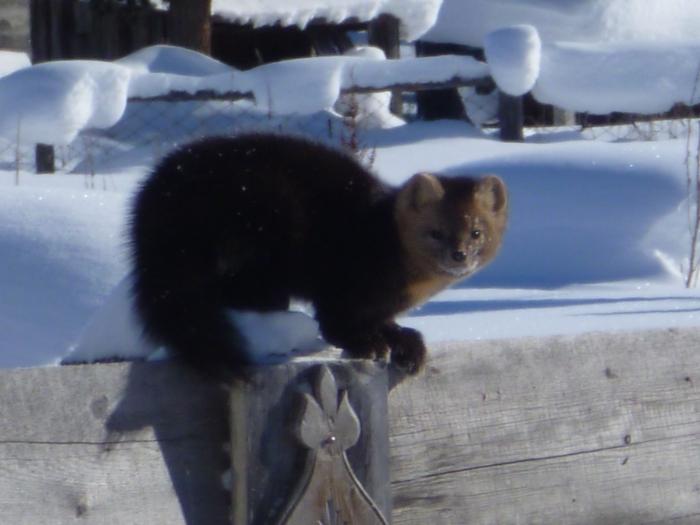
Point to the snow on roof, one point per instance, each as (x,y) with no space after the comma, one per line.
(469,21)
(416,16)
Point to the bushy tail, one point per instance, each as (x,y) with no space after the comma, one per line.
(193,325)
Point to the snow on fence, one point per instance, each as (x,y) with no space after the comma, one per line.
(175,95)
(80,107)
(593,429)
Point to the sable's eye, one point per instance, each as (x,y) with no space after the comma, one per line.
(436,235)
(476,234)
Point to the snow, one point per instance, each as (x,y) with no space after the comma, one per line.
(271,336)
(68,97)
(513,56)
(61,248)
(371,110)
(469,21)
(65,97)
(600,78)
(596,241)
(173,60)
(11,61)
(597,56)
(318,81)
(416,16)
(115,332)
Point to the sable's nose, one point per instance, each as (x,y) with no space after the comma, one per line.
(459,256)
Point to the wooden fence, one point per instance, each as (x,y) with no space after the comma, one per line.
(512,124)
(599,429)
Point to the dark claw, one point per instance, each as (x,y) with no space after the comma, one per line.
(408,351)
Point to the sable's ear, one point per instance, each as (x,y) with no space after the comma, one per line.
(492,194)
(420,191)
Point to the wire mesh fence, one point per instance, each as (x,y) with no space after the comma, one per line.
(150,128)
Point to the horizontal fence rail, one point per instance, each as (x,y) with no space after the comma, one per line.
(586,430)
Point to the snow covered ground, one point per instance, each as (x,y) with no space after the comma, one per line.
(597,236)
(597,239)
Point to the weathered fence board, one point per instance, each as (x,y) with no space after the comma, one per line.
(586,430)
(113,444)
(595,429)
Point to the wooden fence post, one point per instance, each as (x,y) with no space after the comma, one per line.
(45,158)
(510,117)
(383,32)
(309,444)
(563,117)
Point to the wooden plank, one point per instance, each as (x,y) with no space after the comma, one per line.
(207,94)
(593,429)
(270,464)
(115,444)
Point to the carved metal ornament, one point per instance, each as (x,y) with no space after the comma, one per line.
(329,492)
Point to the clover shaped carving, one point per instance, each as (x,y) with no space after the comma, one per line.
(328,426)
(329,493)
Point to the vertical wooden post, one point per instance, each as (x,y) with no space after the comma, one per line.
(435,104)
(309,444)
(383,32)
(39,20)
(45,158)
(563,117)
(189,24)
(510,117)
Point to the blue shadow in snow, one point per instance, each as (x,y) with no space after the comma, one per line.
(573,223)
(486,305)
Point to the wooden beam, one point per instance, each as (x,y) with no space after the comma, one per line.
(593,429)
(119,444)
(206,94)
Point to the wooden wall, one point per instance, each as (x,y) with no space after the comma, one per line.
(14,25)
(599,429)
(63,29)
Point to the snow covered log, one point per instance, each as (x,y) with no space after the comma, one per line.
(598,428)
(332,76)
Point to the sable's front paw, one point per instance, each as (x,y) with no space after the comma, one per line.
(408,350)
(376,350)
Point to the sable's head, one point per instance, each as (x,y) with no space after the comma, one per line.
(451,226)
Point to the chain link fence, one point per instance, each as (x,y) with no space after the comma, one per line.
(150,128)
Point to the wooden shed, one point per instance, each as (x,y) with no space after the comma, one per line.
(242,34)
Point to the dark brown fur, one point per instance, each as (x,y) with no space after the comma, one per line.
(249,222)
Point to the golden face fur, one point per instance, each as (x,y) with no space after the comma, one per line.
(449,228)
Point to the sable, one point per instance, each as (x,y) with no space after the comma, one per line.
(249,222)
